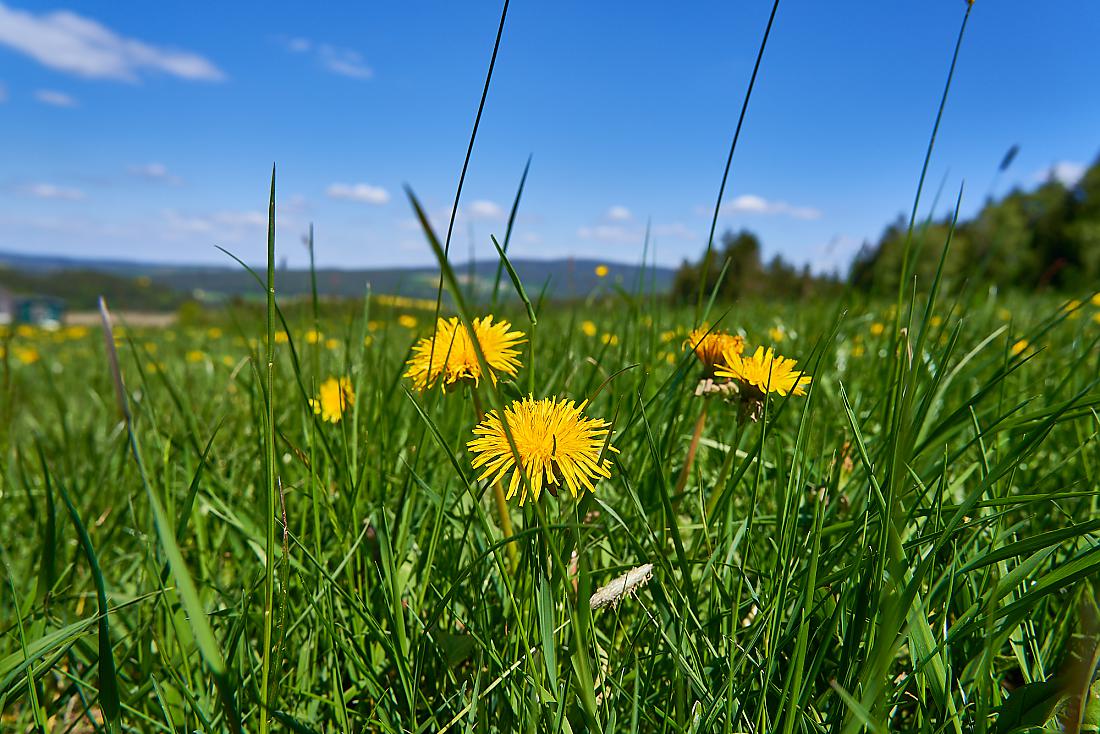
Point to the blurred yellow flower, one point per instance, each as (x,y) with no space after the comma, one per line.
(228,361)
(555,442)
(25,330)
(281,337)
(151,347)
(602,271)
(936,321)
(776,333)
(710,344)
(368,340)
(313,336)
(452,355)
(878,328)
(1004,314)
(334,399)
(857,350)
(588,328)
(406,320)
(1096,317)
(765,371)
(331,343)
(76,332)
(214,333)
(196,355)
(1095,300)
(25,355)
(373,326)
(1020,346)
(612,339)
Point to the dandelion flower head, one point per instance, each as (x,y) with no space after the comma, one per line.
(452,357)
(710,344)
(764,370)
(555,442)
(335,397)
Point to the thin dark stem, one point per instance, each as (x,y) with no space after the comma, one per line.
(729,158)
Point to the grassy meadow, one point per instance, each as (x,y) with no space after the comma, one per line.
(910,545)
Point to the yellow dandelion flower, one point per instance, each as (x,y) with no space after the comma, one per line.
(776,333)
(555,443)
(25,355)
(196,355)
(602,271)
(612,339)
(332,343)
(1095,300)
(214,333)
(1004,314)
(333,399)
(314,337)
(589,328)
(710,344)
(936,321)
(407,320)
(1096,317)
(228,361)
(373,325)
(667,336)
(1020,346)
(857,350)
(878,328)
(453,358)
(76,332)
(281,337)
(26,331)
(764,370)
(368,340)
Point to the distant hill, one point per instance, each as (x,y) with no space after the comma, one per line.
(167,285)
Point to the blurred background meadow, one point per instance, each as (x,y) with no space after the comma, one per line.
(575,368)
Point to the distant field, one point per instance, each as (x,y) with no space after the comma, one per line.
(914,541)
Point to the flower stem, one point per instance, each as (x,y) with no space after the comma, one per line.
(692,448)
(498,493)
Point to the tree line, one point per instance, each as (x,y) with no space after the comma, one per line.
(1045,238)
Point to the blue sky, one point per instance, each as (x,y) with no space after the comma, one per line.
(147,130)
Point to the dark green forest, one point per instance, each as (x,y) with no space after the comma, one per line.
(1046,238)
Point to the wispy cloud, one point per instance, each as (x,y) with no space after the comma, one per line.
(611,234)
(154,172)
(753,204)
(55,98)
(336,59)
(75,44)
(358,192)
(1067,173)
(51,191)
(484,209)
(619,214)
(227,225)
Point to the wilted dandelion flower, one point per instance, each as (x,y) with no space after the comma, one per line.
(334,399)
(555,443)
(710,344)
(453,358)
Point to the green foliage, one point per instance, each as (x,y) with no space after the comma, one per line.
(830,564)
(1045,238)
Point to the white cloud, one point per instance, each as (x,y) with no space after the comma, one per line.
(72,43)
(1067,173)
(344,61)
(54,98)
(484,209)
(298,45)
(753,204)
(675,231)
(610,233)
(50,191)
(358,192)
(154,172)
(619,214)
